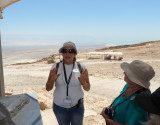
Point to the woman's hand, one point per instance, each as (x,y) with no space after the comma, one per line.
(53,75)
(104,115)
(84,80)
(51,79)
(82,77)
(109,120)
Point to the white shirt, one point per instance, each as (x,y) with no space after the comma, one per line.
(75,91)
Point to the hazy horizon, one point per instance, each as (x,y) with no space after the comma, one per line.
(100,45)
(14,55)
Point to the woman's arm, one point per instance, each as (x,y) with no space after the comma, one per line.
(51,79)
(111,122)
(108,120)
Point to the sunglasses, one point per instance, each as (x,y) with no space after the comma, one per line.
(68,50)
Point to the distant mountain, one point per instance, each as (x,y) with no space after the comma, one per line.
(124,46)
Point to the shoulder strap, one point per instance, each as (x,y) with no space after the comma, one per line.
(57,66)
(139,91)
(79,67)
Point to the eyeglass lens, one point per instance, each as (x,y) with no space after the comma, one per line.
(68,50)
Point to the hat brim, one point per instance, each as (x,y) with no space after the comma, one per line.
(145,101)
(131,75)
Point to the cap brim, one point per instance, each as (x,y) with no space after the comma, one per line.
(145,101)
(131,76)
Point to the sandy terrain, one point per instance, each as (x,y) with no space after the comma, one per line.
(106,78)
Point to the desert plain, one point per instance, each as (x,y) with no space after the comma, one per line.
(106,78)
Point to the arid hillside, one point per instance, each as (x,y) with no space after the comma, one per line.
(147,51)
(106,78)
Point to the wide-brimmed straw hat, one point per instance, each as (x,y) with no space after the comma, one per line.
(68,44)
(139,72)
(150,102)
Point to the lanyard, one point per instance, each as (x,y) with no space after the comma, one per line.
(67,81)
(138,91)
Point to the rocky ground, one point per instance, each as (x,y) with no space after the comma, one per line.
(106,79)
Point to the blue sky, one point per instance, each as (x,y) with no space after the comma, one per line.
(85,22)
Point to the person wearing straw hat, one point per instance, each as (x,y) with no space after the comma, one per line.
(69,77)
(150,103)
(124,110)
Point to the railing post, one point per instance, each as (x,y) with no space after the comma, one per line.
(2,89)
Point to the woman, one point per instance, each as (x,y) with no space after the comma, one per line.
(124,110)
(69,81)
(151,103)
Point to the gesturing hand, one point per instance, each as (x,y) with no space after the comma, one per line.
(51,79)
(53,75)
(83,77)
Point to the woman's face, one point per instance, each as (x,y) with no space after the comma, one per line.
(126,79)
(68,55)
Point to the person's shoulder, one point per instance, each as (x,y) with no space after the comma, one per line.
(55,65)
(81,64)
(135,105)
